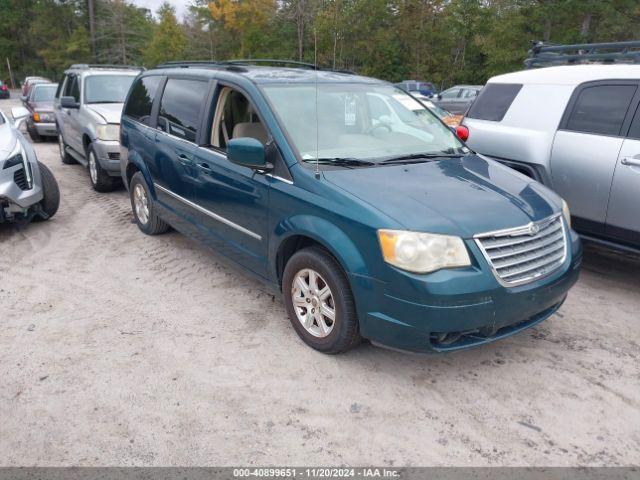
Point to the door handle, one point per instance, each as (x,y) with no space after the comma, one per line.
(204,166)
(184,159)
(630,161)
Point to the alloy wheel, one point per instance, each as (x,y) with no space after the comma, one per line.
(313,302)
(93,168)
(141,204)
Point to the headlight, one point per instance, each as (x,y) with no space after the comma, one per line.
(109,132)
(566,213)
(43,117)
(422,252)
(19,157)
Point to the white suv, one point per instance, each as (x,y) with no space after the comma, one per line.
(577,130)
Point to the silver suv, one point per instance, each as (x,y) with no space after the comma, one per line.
(577,130)
(88,106)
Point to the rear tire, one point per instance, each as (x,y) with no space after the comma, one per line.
(64,156)
(143,207)
(50,192)
(319,301)
(100,179)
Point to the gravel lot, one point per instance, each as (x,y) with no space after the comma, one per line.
(121,349)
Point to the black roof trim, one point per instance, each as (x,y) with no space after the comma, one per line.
(238,65)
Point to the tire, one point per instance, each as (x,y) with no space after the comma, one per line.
(153,225)
(34,135)
(99,178)
(50,191)
(343,333)
(64,156)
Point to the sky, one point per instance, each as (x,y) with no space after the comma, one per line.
(153,5)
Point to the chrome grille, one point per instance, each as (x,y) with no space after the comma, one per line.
(520,255)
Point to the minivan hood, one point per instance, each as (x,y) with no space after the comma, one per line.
(456,196)
(110,112)
(7,140)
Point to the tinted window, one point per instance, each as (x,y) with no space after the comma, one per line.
(493,101)
(67,86)
(75,89)
(141,99)
(601,109)
(180,107)
(634,131)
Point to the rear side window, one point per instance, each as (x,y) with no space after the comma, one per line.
(141,99)
(494,101)
(601,109)
(180,107)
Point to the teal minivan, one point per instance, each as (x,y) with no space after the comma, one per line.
(374,221)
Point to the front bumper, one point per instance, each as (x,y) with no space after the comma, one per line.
(458,308)
(108,153)
(46,129)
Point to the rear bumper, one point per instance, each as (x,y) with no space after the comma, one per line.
(108,154)
(464,309)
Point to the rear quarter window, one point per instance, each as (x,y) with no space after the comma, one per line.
(494,101)
(143,93)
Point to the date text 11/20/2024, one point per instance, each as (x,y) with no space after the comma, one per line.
(315,473)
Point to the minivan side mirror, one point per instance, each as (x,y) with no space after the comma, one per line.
(248,152)
(69,102)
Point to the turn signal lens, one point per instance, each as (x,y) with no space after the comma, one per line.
(36,117)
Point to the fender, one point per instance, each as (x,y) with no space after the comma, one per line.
(327,234)
(135,159)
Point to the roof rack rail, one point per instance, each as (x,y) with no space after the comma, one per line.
(543,55)
(235,63)
(86,66)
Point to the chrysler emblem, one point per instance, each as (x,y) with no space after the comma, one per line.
(533,229)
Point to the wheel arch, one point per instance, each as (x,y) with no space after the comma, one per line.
(136,164)
(305,231)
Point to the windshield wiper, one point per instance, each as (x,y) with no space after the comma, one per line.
(343,161)
(421,157)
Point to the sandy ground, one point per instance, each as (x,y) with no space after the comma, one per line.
(121,349)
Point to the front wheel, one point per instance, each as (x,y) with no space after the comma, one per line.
(319,301)
(100,179)
(50,193)
(144,210)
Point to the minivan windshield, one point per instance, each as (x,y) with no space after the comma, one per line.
(359,122)
(107,88)
(44,93)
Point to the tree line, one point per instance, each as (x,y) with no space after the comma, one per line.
(444,41)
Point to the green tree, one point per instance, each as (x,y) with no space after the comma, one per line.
(168,41)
